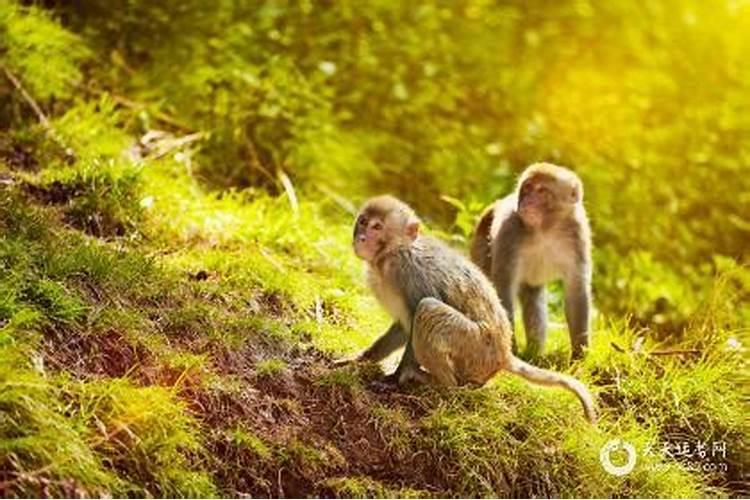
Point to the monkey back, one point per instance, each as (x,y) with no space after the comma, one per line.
(429,268)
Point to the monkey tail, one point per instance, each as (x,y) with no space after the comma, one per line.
(553,379)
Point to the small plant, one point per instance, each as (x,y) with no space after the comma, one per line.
(60,305)
(45,56)
(357,487)
(270,368)
(146,431)
(342,378)
(248,441)
(467,215)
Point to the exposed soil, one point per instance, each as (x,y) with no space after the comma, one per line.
(17,155)
(292,409)
(54,193)
(106,354)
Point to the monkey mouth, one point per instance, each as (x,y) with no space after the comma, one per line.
(360,250)
(531,217)
(357,250)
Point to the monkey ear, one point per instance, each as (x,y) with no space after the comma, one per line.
(576,194)
(412,229)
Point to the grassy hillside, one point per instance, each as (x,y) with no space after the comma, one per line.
(161,336)
(191,357)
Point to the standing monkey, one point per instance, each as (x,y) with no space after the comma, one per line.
(445,310)
(536,235)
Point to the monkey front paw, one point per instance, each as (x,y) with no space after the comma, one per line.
(407,376)
(404,377)
(389,383)
(392,379)
(336,363)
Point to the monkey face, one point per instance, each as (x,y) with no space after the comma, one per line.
(376,234)
(383,223)
(369,237)
(544,197)
(534,202)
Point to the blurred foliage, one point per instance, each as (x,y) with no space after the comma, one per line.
(442,104)
(46,55)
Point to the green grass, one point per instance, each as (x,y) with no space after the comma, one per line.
(366,487)
(187,356)
(345,378)
(252,443)
(40,441)
(125,438)
(146,433)
(268,368)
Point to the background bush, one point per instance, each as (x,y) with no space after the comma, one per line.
(649,103)
(441,104)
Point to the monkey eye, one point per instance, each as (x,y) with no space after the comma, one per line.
(377,226)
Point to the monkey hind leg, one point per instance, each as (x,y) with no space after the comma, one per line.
(412,374)
(534,309)
(440,335)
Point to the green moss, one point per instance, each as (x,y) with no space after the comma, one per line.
(306,458)
(342,378)
(270,367)
(367,487)
(251,442)
(99,196)
(190,320)
(396,428)
(190,367)
(146,431)
(58,304)
(357,487)
(43,441)
(45,55)
(506,443)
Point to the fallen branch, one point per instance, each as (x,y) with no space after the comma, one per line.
(160,116)
(27,97)
(166,146)
(43,120)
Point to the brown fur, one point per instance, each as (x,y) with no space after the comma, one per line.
(521,257)
(446,310)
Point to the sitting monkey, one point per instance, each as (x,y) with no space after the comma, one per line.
(445,310)
(538,234)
